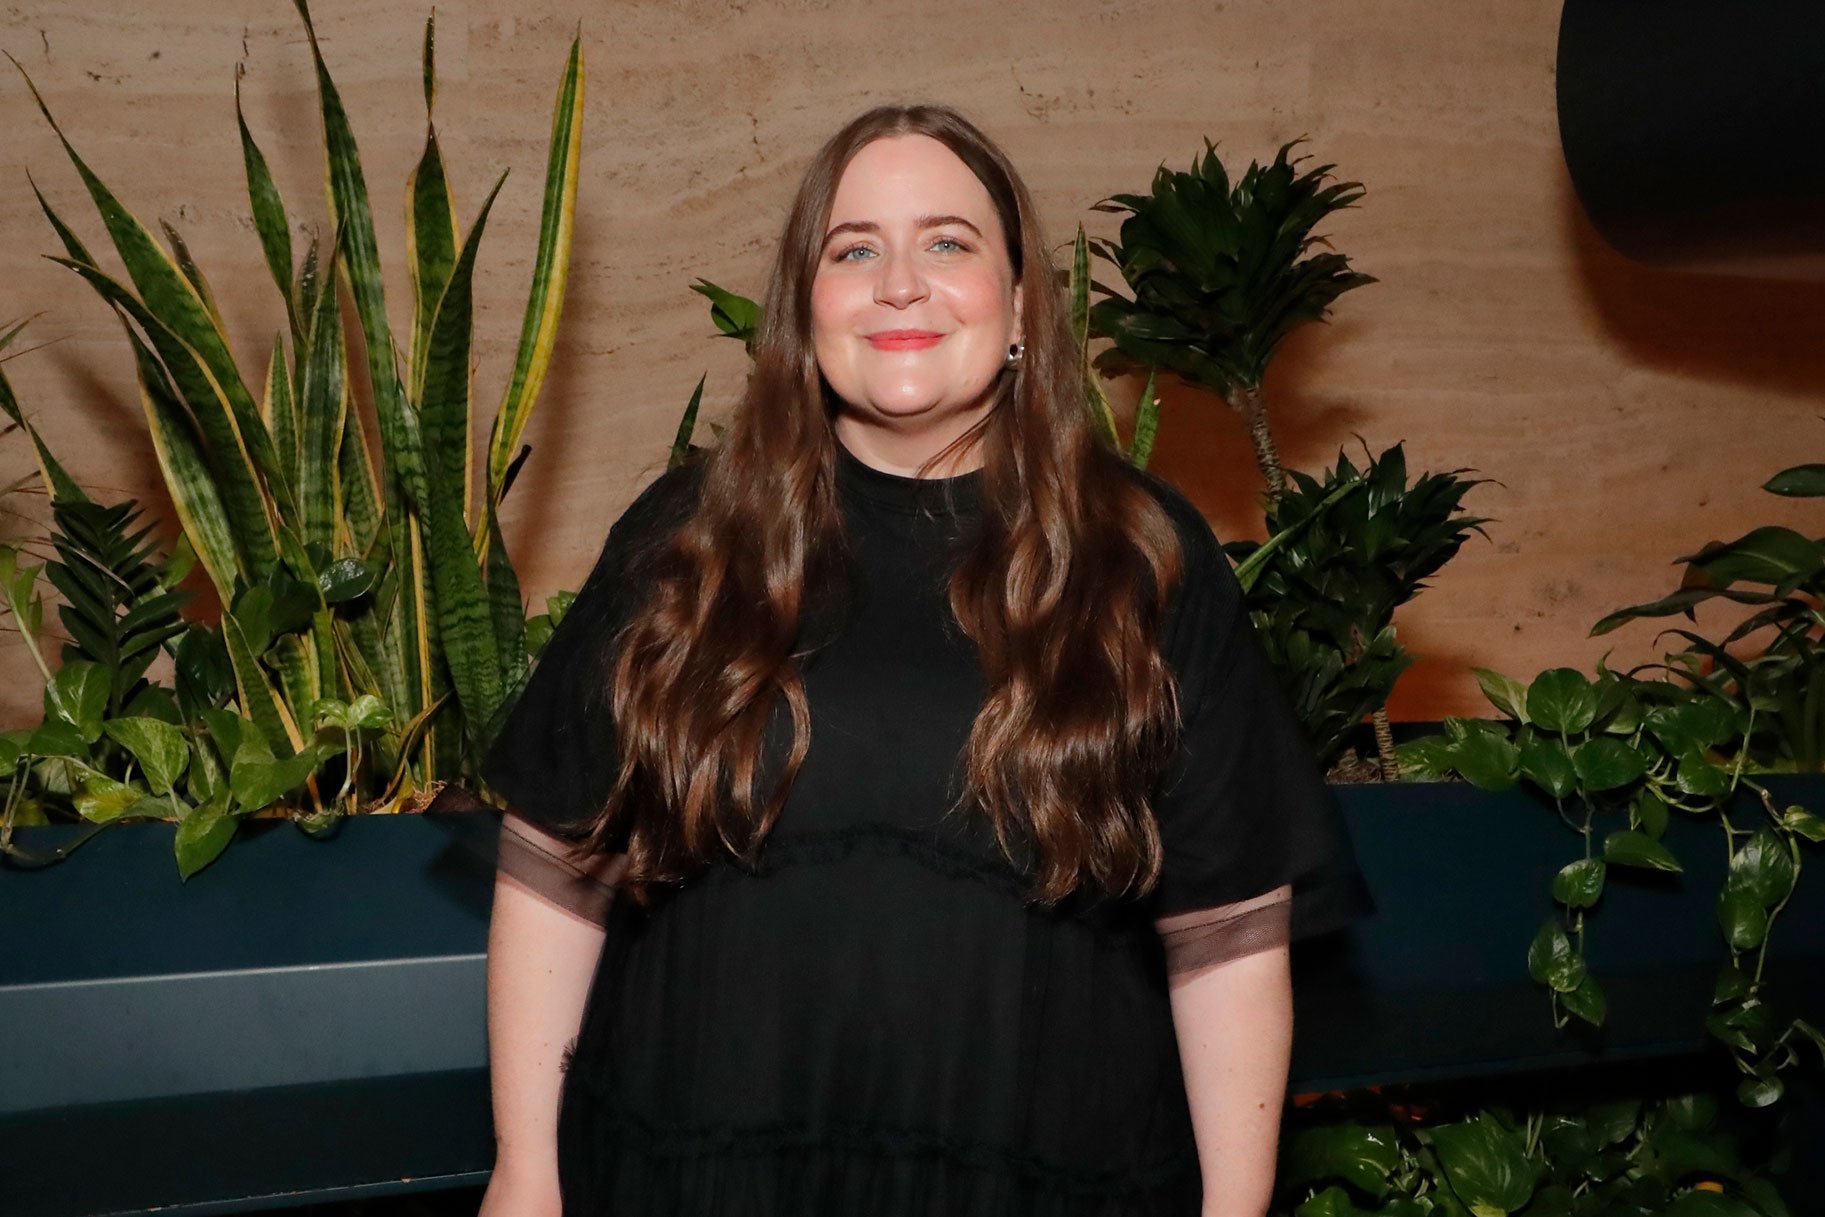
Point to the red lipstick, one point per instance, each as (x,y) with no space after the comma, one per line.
(904,340)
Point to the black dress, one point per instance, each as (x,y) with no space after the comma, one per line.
(875,1023)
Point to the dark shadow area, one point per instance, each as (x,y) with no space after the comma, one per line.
(1757,333)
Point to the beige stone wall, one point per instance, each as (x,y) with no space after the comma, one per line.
(1628,415)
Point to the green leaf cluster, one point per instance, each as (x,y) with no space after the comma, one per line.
(1220,273)
(1781,573)
(1615,1158)
(1616,756)
(351,575)
(1344,553)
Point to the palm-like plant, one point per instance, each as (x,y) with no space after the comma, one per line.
(1350,550)
(1221,276)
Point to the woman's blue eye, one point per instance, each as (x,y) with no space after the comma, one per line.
(950,241)
(853,249)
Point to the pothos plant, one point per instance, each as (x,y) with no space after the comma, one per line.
(1367,1155)
(371,615)
(1617,756)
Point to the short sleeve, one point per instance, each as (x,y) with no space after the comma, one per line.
(553,757)
(1243,807)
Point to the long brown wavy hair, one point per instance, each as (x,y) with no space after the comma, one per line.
(1062,590)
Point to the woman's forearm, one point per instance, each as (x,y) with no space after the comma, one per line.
(541,959)
(1234,1024)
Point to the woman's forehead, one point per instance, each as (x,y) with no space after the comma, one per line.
(901,178)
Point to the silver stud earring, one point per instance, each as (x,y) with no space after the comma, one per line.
(1016,352)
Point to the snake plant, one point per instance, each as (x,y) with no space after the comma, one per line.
(363,587)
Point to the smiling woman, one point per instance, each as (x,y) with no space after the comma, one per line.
(956,825)
(915,305)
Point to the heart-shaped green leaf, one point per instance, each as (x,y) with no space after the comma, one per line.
(1562,700)
(1626,847)
(1580,883)
(160,748)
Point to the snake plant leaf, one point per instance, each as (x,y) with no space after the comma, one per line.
(465,622)
(222,453)
(278,407)
(431,234)
(1146,424)
(401,483)
(255,692)
(504,606)
(61,486)
(358,524)
(180,252)
(168,294)
(354,222)
(269,219)
(322,414)
(551,269)
(1077,286)
(310,281)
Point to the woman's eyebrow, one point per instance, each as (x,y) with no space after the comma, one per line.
(923,223)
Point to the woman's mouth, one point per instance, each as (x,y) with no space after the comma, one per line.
(904,340)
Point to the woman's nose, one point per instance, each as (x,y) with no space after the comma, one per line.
(899,282)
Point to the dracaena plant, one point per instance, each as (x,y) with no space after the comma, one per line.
(1617,757)
(1220,275)
(370,609)
(1359,544)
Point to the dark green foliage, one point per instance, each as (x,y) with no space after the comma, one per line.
(1220,275)
(1323,603)
(118,608)
(1782,573)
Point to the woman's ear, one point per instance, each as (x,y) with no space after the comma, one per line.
(1019,329)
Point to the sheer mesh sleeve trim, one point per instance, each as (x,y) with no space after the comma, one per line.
(541,864)
(1200,939)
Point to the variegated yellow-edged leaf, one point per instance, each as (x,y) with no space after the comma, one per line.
(322,409)
(250,515)
(168,293)
(62,487)
(255,692)
(277,408)
(431,234)
(539,331)
(187,476)
(1146,424)
(269,219)
(463,619)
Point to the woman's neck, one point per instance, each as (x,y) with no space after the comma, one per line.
(902,452)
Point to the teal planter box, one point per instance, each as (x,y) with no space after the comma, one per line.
(305,1019)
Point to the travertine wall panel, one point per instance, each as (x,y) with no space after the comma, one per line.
(1627,414)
